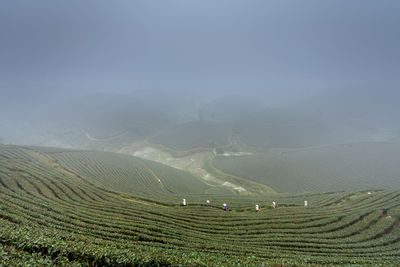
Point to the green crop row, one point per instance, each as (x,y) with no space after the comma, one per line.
(50,214)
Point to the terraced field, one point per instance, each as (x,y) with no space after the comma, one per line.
(327,168)
(53,211)
(129,174)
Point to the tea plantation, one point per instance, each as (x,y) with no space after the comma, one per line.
(356,166)
(71,208)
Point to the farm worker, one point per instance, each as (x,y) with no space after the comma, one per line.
(184,202)
(224,207)
(305,203)
(208,203)
(273,204)
(257,208)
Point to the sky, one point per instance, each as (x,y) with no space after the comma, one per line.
(282,47)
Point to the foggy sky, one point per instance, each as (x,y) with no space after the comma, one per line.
(282,47)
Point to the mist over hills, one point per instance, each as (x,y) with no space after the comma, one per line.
(166,118)
(199,133)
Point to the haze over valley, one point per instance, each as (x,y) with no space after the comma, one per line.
(199,133)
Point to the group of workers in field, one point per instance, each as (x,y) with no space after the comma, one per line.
(225,207)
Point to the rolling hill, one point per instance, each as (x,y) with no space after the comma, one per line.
(194,134)
(326,168)
(179,122)
(129,174)
(62,207)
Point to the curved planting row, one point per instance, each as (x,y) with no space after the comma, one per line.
(50,212)
(129,174)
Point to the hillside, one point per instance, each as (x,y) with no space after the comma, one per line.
(179,122)
(194,134)
(328,168)
(129,174)
(51,214)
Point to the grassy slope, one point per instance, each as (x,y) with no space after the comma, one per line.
(52,214)
(330,168)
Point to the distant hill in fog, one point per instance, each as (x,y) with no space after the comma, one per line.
(181,122)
